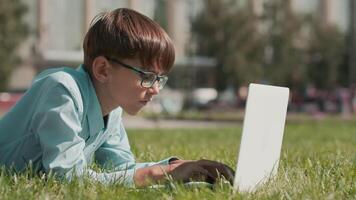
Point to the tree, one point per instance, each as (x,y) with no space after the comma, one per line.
(229,34)
(285,60)
(326,56)
(280,47)
(13,30)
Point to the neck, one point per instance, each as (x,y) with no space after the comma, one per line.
(105,105)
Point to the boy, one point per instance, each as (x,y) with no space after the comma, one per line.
(68,117)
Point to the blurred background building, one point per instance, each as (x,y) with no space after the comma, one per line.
(57,28)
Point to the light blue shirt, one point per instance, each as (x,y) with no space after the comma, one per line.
(58,126)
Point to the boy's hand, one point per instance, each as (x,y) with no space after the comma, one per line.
(185,171)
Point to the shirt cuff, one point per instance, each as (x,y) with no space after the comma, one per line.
(129,178)
(125,177)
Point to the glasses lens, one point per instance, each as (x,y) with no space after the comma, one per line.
(162,81)
(148,80)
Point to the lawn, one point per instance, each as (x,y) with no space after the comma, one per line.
(318,161)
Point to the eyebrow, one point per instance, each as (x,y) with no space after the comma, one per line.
(149,69)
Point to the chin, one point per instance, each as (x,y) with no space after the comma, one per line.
(131,112)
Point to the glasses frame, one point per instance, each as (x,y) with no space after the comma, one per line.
(143,73)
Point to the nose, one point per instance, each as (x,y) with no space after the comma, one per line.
(154,89)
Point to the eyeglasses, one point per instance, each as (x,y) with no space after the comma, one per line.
(148,79)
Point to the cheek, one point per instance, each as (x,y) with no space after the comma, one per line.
(125,88)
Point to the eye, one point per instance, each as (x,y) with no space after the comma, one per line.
(148,77)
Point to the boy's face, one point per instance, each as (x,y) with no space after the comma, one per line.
(124,87)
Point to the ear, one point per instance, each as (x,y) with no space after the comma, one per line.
(100,69)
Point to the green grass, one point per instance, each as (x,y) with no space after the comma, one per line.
(318,161)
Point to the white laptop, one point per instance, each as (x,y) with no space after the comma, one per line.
(262,136)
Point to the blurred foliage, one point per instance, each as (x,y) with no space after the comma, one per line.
(160,15)
(228,33)
(12,32)
(284,47)
(327,50)
(278,47)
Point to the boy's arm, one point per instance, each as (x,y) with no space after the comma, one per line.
(57,124)
(115,153)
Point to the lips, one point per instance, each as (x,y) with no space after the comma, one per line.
(144,102)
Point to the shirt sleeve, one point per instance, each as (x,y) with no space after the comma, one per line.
(115,153)
(57,124)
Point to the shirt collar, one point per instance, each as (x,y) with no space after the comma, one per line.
(94,113)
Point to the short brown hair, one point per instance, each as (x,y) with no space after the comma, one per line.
(125,33)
